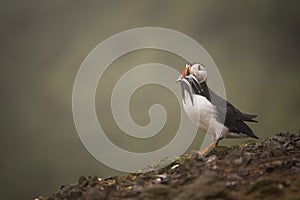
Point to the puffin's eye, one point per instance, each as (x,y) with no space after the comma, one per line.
(199,67)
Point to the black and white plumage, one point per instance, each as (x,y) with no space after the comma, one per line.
(212,113)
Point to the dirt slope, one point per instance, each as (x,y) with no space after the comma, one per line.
(252,170)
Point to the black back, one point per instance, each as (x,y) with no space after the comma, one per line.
(234,119)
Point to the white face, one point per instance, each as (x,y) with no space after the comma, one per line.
(199,71)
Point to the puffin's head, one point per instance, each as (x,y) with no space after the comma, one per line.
(197,70)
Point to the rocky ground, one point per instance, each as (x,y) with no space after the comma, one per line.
(252,170)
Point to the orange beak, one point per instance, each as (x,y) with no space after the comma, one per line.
(187,67)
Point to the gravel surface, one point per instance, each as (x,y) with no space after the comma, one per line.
(251,170)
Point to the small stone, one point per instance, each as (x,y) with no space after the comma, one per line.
(269,169)
(243,172)
(231,184)
(247,156)
(162,176)
(137,188)
(290,147)
(280,186)
(76,194)
(276,151)
(94,194)
(295,169)
(132,178)
(214,167)
(277,163)
(157,189)
(174,166)
(211,158)
(234,177)
(82,180)
(286,144)
(238,161)
(297,142)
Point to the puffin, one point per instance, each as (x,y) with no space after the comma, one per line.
(213,114)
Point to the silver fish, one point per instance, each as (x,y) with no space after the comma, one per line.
(185,85)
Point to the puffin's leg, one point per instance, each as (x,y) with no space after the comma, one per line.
(208,148)
(217,144)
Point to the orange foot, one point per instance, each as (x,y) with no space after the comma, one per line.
(208,148)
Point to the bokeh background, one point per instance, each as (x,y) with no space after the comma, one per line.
(256,46)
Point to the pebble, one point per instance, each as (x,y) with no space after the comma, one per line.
(174,166)
(238,161)
(211,158)
(76,194)
(82,180)
(234,177)
(295,169)
(243,172)
(277,163)
(94,194)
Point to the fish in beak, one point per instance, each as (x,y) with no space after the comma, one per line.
(184,80)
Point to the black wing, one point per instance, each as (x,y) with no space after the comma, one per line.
(234,119)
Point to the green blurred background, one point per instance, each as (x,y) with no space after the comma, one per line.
(256,46)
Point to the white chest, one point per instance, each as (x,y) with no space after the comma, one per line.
(201,113)
(204,114)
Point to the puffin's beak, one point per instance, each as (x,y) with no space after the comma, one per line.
(183,74)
